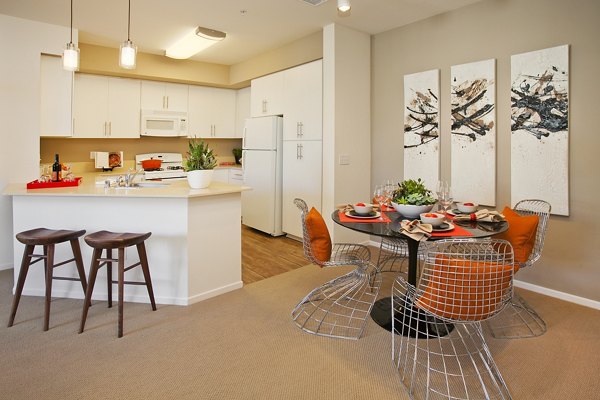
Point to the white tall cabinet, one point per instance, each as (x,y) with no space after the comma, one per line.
(106,107)
(211,112)
(302,142)
(266,97)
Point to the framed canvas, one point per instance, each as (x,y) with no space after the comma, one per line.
(540,127)
(421,127)
(473,132)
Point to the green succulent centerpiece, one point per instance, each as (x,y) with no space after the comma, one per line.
(412,198)
(199,156)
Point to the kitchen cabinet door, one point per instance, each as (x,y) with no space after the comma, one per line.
(123,108)
(212,112)
(164,96)
(303,102)
(236,176)
(242,111)
(221,175)
(90,107)
(56,93)
(266,95)
(302,177)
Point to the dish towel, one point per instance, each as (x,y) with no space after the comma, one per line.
(415,229)
(483,215)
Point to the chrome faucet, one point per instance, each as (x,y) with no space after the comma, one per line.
(130,176)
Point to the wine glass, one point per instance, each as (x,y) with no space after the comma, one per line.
(446,199)
(379,195)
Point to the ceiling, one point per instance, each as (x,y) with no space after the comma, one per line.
(252,26)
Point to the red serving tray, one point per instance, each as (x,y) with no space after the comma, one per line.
(45,185)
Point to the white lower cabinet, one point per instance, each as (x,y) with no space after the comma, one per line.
(236,176)
(302,178)
(221,175)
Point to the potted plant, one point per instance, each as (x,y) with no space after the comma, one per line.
(199,164)
(412,198)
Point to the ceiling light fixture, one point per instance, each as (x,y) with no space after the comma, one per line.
(344,5)
(128,52)
(71,52)
(194,42)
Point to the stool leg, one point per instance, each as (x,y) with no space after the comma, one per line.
(79,263)
(109,278)
(146,270)
(90,286)
(49,270)
(121,284)
(20,282)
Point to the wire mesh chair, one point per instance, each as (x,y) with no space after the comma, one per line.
(438,346)
(340,307)
(393,255)
(518,319)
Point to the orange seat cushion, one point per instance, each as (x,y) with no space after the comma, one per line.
(521,233)
(465,290)
(320,241)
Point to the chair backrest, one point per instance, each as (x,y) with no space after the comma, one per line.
(542,209)
(466,279)
(306,234)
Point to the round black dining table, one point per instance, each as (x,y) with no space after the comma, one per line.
(381,311)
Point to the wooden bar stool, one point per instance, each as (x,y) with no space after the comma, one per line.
(108,241)
(47,238)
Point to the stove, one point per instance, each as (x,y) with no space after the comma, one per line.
(171,168)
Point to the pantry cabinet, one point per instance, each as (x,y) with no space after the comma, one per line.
(266,97)
(303,102)
(164,96)
(211,112)
(106,107)
(56,93)
(302,178)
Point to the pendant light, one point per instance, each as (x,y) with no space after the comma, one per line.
(343,5)
(128,52)
(71,52)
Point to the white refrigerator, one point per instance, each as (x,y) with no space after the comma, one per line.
(262,171)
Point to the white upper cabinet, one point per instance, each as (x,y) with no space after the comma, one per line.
(303,102)
(266,97)
(164,96)
(242,111)
(106,107)
(211,112)
(56,91)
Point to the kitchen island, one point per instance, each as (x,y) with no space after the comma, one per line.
(194,251)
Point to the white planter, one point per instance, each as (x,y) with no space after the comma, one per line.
(410,211)
(200,179)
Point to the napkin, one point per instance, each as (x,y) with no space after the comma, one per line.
(483,215)
(415,229)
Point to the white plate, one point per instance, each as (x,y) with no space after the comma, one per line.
(448,228)
(353,214)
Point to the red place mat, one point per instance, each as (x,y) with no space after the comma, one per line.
(457,231)
(344,218)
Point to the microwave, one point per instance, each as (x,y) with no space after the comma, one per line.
(164,123)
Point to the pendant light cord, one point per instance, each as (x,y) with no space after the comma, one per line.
(71,21)
(128,19)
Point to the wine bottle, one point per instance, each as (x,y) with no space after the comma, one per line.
(56,170)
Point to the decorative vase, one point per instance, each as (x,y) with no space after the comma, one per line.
(200,178)
(411,211)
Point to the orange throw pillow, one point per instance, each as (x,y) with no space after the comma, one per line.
(521,233)
(320,241)
(465,290)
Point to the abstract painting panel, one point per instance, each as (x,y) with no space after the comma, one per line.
(473,132)
(540,127)
(421,127)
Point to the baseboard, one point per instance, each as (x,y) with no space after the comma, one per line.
(5,266)
(571,298)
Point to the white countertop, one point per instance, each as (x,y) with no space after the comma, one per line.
(88,188)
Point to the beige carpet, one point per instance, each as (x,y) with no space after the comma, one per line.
(243,345)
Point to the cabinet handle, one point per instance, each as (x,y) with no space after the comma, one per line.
(264,106)
(300,151)
(299,129)
(104,128)
(167,102)
(109,128)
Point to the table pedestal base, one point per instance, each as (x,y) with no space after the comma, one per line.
(410,321)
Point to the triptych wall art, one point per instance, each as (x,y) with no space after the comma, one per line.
(473,140)
(539,95)
(421,126)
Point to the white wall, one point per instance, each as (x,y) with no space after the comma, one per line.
(21,43)
(346,122)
